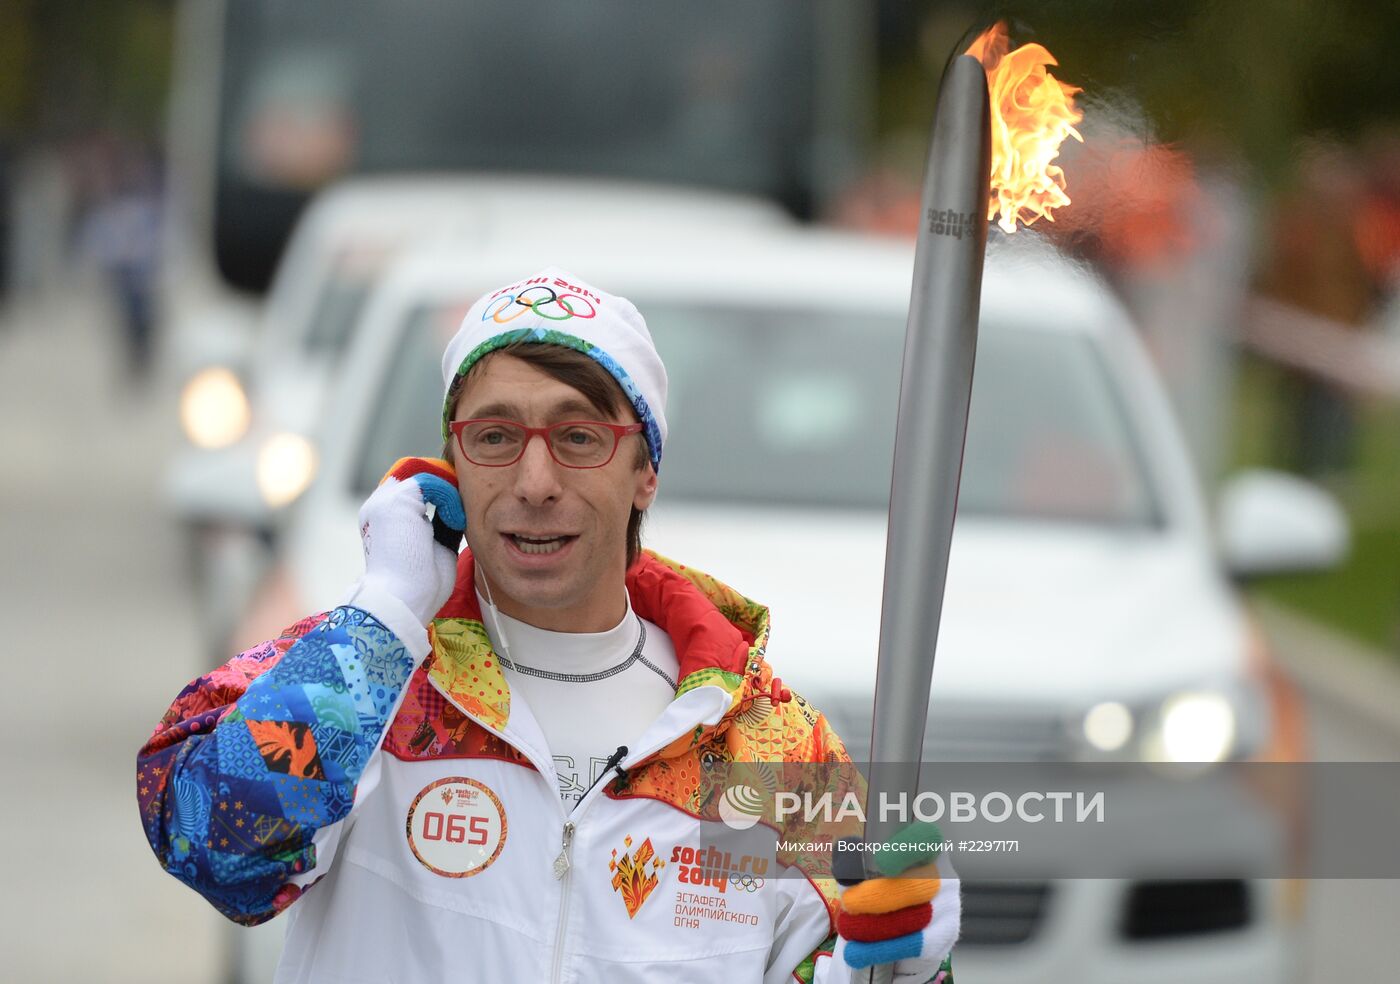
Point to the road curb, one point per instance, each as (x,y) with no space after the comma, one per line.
(1334,665)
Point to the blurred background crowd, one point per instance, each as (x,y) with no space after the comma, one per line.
(1237,188)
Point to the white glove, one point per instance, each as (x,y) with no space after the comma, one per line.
(402,557)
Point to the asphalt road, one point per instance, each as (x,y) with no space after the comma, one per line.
(101,636)
(1349,924)
(99,640)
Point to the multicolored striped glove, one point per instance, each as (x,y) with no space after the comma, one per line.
(910,917)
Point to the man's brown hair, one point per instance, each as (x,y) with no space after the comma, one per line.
(598,387)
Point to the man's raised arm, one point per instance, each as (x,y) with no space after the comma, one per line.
(246,783)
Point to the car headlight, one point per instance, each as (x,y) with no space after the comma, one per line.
(1210,723)
(1193,727)
(286,465)
(1108,726)
(213,408)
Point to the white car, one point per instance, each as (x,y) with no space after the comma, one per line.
(252,429)
(1084,571)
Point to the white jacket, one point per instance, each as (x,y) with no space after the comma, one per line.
(391,770)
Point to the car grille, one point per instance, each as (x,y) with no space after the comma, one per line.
(962,734)
(1001,913)
(989,736)
(1157,910)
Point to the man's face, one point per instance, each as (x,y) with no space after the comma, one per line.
(574,581)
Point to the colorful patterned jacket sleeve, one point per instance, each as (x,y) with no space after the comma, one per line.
(247,781)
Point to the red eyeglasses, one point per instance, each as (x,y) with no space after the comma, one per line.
(495,443)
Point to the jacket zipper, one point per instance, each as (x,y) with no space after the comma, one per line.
(563,865)
(563,870)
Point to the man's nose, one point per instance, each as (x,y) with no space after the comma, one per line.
(537,473)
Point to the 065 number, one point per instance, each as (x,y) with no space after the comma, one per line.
(453,828)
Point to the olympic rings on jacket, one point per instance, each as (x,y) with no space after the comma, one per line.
(568,302)
(749,883)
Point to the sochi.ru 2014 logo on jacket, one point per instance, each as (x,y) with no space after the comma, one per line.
(706,877)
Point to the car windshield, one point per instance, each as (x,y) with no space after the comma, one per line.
(338,310)
(646,90)
(797,408)
(714,95)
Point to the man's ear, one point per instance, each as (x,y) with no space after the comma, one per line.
(645,490)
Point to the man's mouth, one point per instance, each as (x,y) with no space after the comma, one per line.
(539,544)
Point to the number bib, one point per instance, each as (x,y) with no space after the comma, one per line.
(456,827)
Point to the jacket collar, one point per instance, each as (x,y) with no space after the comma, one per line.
(719,637)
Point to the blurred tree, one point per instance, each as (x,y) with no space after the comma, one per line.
(16,56)
(67,66)
(1244,77)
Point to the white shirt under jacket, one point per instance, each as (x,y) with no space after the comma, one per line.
(591,693)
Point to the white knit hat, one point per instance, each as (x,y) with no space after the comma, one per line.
(556,308)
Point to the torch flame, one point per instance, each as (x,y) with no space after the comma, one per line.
(1032,113)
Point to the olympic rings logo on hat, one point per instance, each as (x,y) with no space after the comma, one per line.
(544,300)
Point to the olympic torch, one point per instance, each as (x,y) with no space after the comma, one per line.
(967,161)
(936,384)
(940,343)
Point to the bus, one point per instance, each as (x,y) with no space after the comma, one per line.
(274,99)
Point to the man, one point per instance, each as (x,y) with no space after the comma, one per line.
(516,793)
